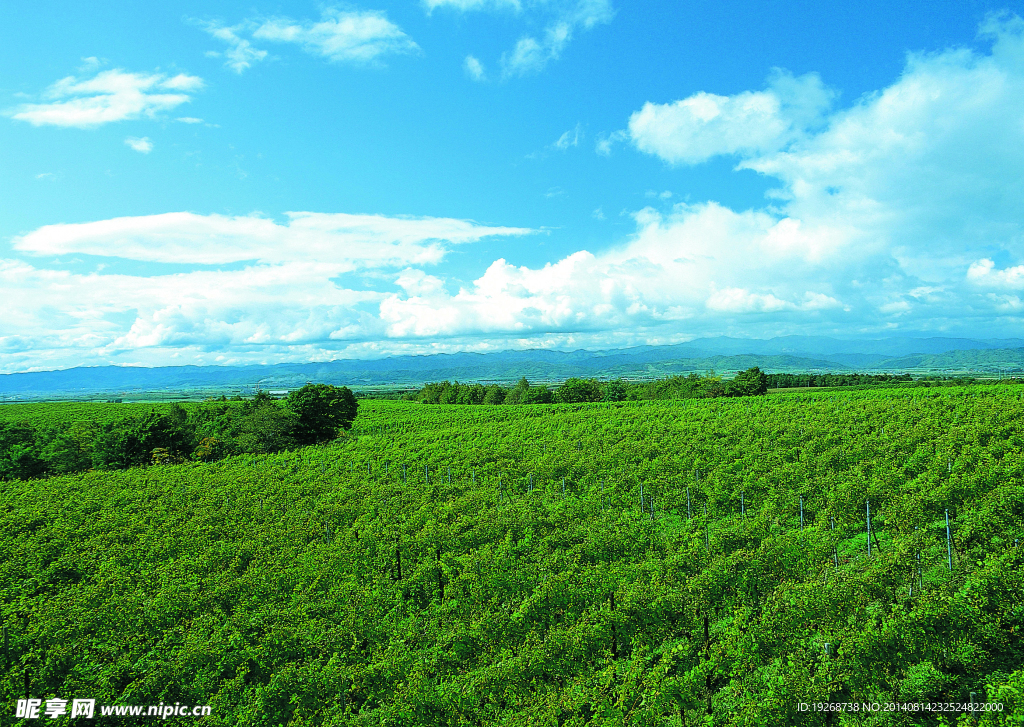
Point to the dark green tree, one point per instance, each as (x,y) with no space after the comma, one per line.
(518,393)
(751,382)
(614,391)
(494,395)
(576,391)
(19,455)
(322,410)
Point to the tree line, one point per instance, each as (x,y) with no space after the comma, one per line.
(205,432)
(752,382)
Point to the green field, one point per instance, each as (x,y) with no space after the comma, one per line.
(431,568)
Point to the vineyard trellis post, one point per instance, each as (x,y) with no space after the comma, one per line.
(868,505)
(707,535)
(949,544)
(835,548)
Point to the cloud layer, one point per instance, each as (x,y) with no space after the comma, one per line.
(282,295)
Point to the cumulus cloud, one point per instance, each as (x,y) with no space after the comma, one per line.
(143,145)
(985,274)
(890,212)
(704,125)
(109,96)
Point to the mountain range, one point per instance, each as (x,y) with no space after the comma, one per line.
(786,354)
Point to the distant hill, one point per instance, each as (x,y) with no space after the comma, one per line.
(787,354)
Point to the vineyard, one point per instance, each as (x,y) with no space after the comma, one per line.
(696,562)
(55,414)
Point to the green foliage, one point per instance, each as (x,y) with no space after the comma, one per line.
(168,434)
(321,410)
(751,382)
(268,586)
(578,391)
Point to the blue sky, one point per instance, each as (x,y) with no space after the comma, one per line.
(220,182)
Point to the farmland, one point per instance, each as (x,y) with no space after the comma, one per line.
(705,561)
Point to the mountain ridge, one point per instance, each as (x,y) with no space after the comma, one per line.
(780,354)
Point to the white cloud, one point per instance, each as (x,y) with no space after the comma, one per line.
(561,20)
(605,141)
(572,137)
(889,215)
(284,294)
(704,125)
(240,54)
(351,241)
(984,273)
(902,211)
(464,5)
(356,36)
(189,120)
(474,68)
(109,96)
(143,145)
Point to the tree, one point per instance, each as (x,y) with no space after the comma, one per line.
(322,410)
(269,428)
(614,391)
(537,395)
(517,395)
(494,395)
(751,382)
(576,391)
